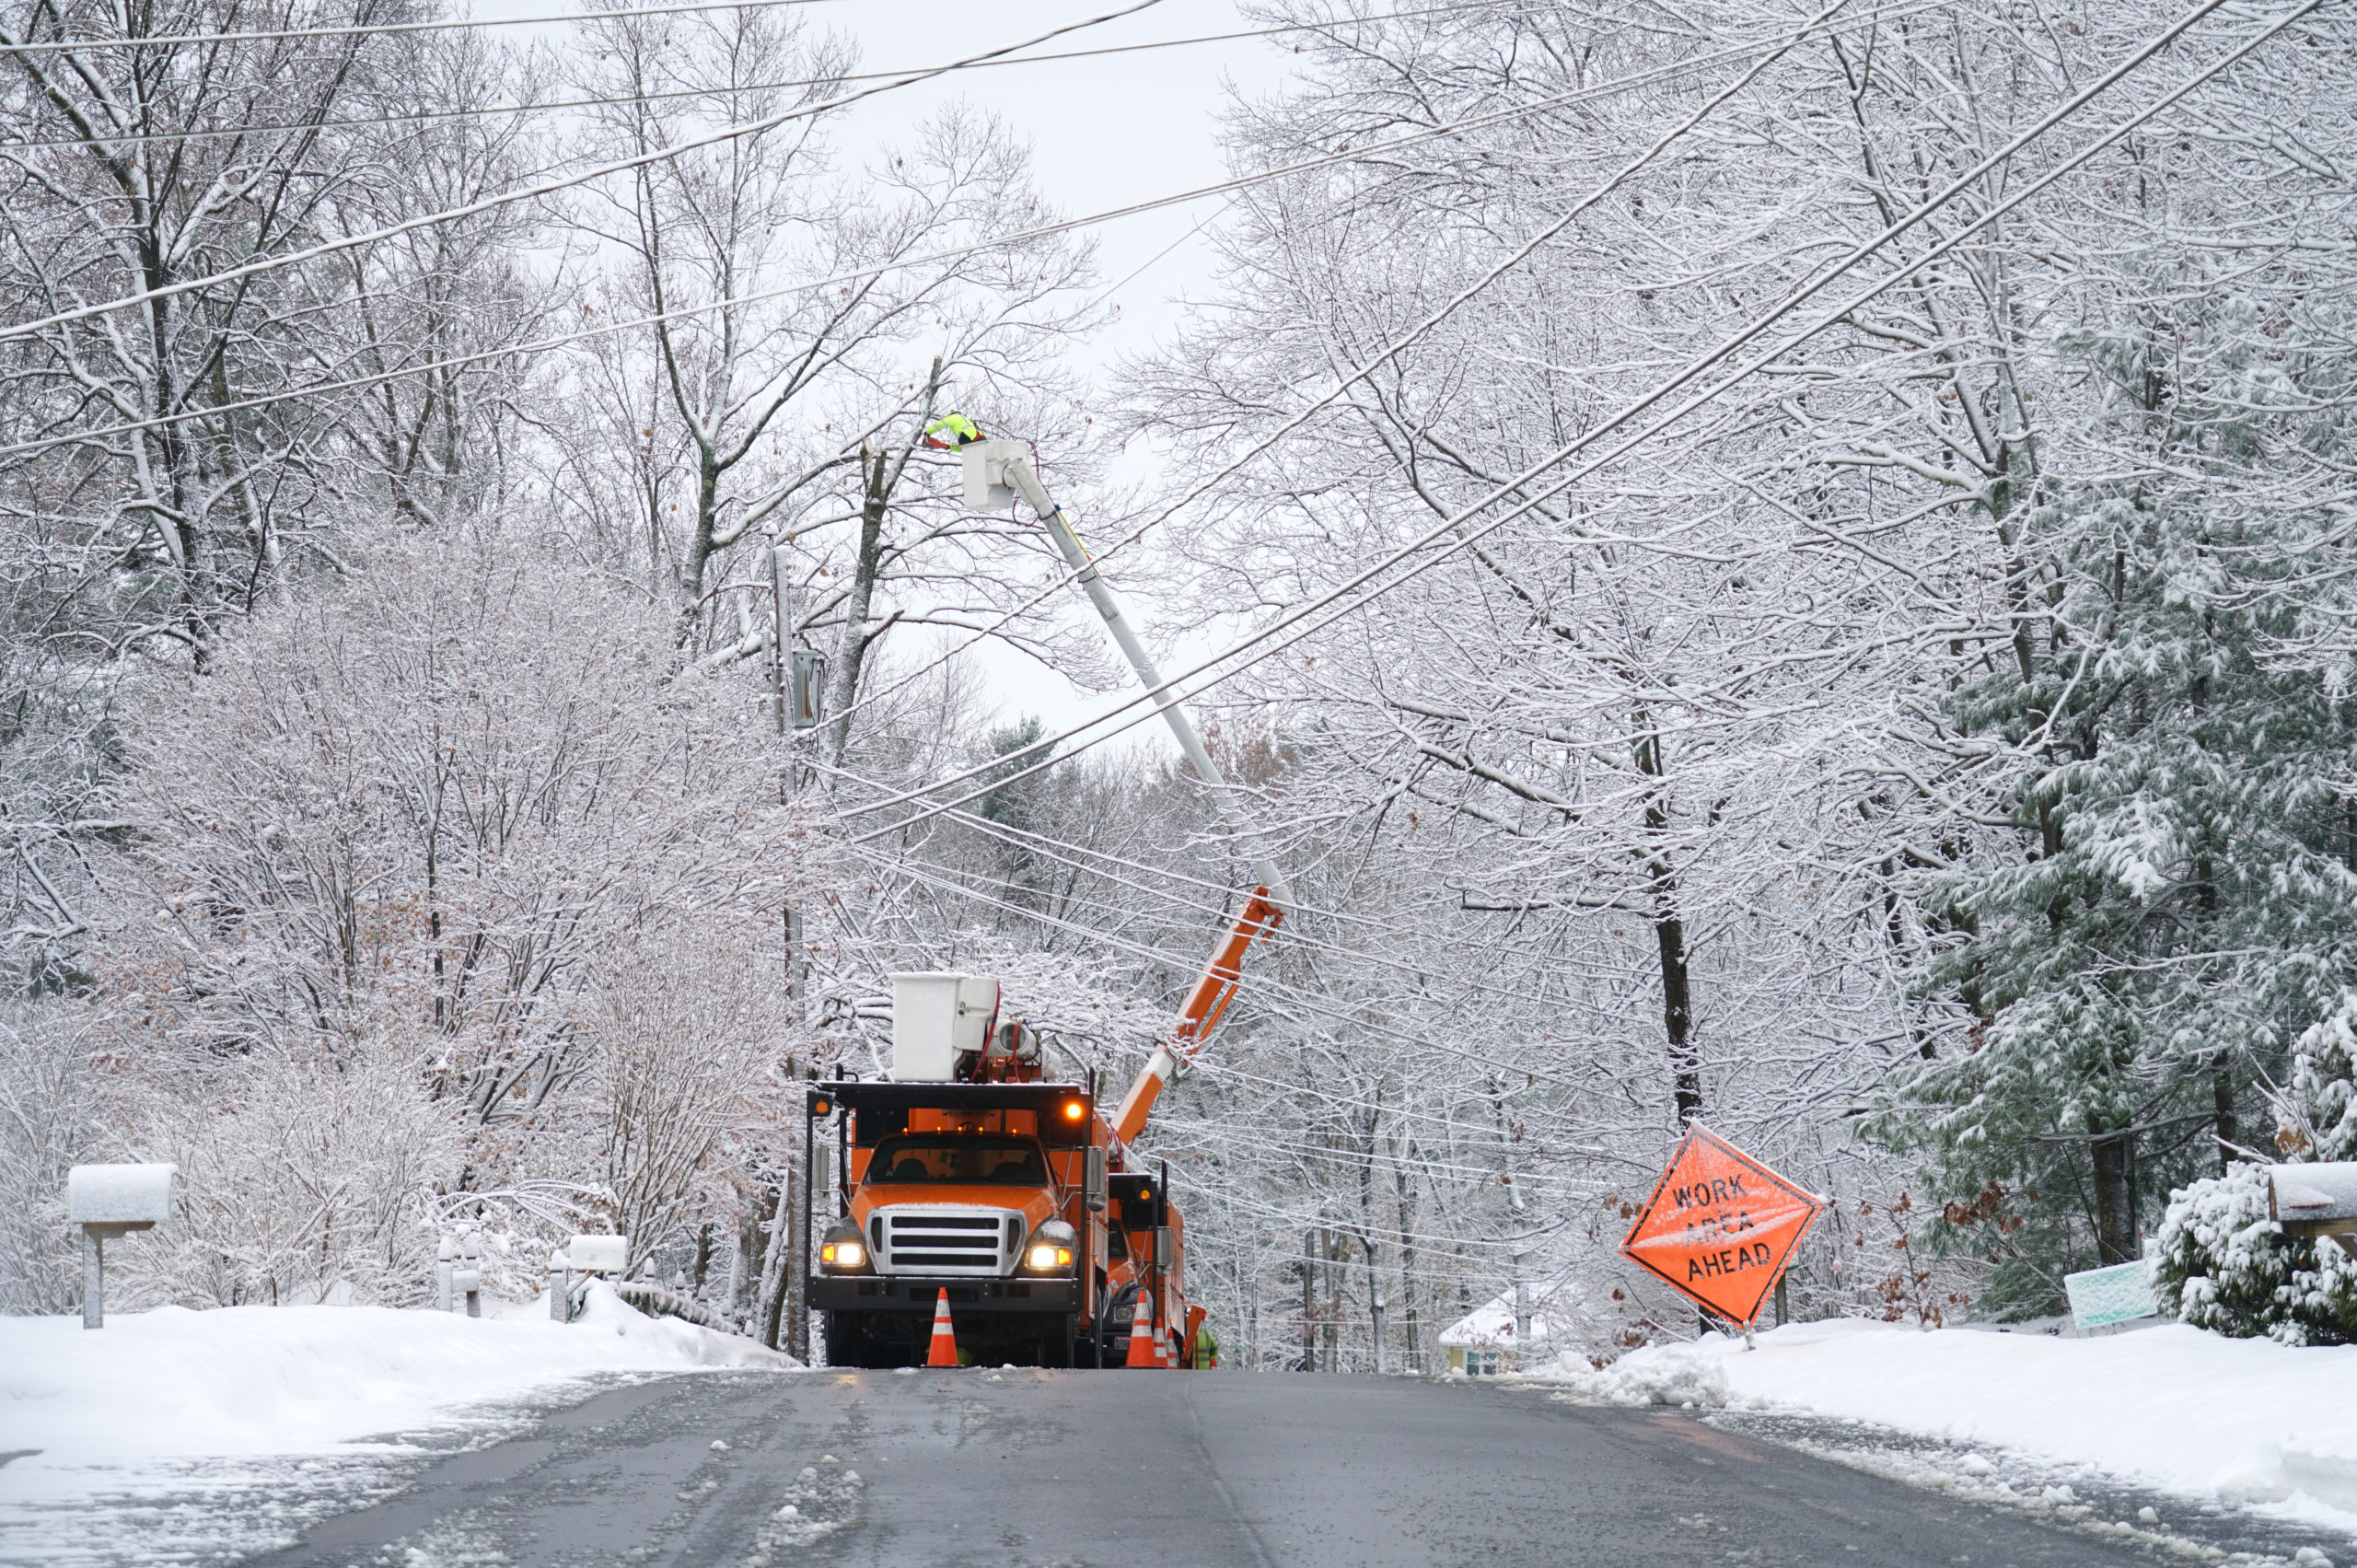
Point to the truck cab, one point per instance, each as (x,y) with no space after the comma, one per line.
(968,1172)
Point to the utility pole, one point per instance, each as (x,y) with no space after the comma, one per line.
(786,1292)
(1519,1217)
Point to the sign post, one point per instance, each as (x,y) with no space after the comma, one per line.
(1720,1226)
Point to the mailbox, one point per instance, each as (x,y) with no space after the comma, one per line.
(2313,1200)
(107,1201)
(598,1254)
(131,1196)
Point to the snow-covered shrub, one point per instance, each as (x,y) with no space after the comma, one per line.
(680,1046)
(301,1182)
(46,1126)
(2222,1264)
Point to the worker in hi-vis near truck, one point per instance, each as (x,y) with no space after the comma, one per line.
(1206,1346)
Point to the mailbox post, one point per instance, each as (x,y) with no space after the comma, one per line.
(109,1201)
(586,1257)
(458,1273)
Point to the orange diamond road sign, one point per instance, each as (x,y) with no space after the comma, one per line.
(1719,1225)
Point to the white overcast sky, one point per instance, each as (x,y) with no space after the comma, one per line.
(1105,133)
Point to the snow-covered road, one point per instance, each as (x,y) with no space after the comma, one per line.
(175,1436)
(202,1437)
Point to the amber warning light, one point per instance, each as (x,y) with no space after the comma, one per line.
(1074,1110)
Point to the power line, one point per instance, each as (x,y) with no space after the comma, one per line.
(1290,933)
(1392,349)
(935,875)
(455,362)
(1043,844)
(727,90)
(374,29)
(1456,522)
(1171,1127)
(545,188)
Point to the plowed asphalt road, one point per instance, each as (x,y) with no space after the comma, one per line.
(1137,1469)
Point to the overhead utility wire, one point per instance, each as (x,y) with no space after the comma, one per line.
(545,188)
(371,29)
(1046,846)
(686,313)
(1775,49)
(725,90)
(1293,935)
(924,872)
(1483,1131)
(1455,521)
(1172,1129)
(1433,1240)
(1029,838)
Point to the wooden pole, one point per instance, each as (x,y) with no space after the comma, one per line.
(94,1277)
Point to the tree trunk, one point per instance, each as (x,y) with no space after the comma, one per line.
(1407,1214)
(1669,937)
(851,644)
(775,1264)
(2115,1162)
(1309,1301)
(1676,1002)
(2222,1100)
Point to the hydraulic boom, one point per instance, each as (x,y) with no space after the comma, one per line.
(996,473)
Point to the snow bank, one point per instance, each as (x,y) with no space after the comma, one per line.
(2244,1420)
(1665,1374)
(294,1379)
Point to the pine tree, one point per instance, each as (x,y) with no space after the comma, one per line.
(2175,904)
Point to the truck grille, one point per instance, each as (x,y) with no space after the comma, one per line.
(910,1239)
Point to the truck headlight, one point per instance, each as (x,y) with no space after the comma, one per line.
(1052,1249)
(843,1251)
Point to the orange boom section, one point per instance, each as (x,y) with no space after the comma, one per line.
(1201,1015)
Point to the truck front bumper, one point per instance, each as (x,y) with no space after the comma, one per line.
(917,1293)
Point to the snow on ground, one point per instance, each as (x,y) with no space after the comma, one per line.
(2194,1413)
(174,1435)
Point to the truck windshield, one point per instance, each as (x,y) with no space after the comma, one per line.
(998,1162)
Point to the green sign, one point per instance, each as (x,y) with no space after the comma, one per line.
(2102,1296)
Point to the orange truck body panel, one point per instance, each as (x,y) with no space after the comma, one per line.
(872,1317)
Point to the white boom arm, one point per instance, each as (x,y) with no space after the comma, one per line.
(995,471)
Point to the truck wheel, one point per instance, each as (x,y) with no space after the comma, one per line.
(1056,1343)
(846,1344)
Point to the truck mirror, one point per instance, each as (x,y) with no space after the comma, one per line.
(1093,1180)
(1161,1249)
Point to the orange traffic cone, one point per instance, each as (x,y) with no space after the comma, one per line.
(1142,1339)
(943,1350)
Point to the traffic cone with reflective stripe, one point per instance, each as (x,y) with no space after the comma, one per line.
(944,1351)
(1143,1338)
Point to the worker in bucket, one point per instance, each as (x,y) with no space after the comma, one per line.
(952,430)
